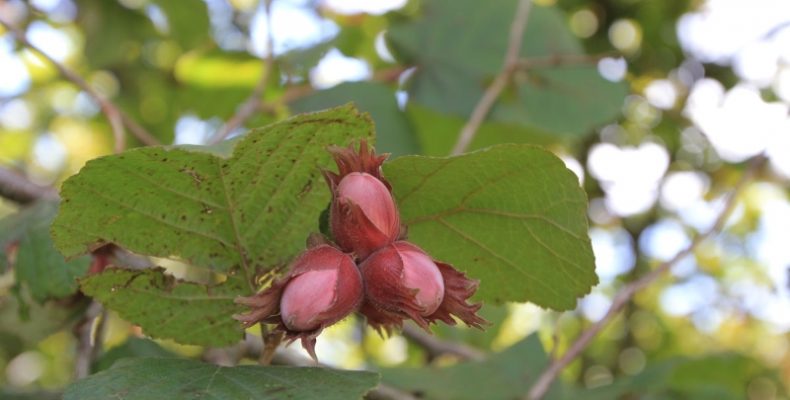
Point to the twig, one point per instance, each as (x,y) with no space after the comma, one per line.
(253,102)
(555,343)
(98,335)
(542,384)
(498,85)
(17,188)
(116,117)
(556,60)
(271,340)
(296,92)
(435,346)
(85,341)
(138,131)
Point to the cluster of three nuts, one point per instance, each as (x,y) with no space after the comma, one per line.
(369,268)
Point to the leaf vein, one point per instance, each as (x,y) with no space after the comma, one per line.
(159,185)
(485,248)
(156,218)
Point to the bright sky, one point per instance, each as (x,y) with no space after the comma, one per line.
(751,36)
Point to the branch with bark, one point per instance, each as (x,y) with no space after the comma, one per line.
(491,94)
(17,188)
(116,117)
(253,103)
(624,296)
(436,347)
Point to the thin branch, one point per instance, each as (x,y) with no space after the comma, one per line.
(270,340)
(253,102)
(116,117)
(86,341)
(98,335)
(556,60)
(436,347)
(491,94)
(542,384)
(138,131)
(17,188)
(296,92)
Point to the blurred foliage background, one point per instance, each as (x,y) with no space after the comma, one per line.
(655,105)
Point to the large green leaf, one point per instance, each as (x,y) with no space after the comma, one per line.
(188,313)
(252,210)
(459,46)
(503,376)
(394,133)
(179,379)
(39,266)
(511,215)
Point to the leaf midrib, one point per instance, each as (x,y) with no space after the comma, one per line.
(240,246)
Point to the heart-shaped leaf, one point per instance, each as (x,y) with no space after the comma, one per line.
(249,212)
(511,215)
(252,210)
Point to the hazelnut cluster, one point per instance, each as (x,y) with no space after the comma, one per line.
(370,267)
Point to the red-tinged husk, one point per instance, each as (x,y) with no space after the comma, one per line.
(363,214)
(457,290)
(388,302)
(349,160)
(102,257)
(354,232)
(348,289)
(385,289)
(380,320)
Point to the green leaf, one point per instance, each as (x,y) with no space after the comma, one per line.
(507,375)
(253,210)
(562,99)
(39,266)
(132,348)
(724,376)
(164,307)
(187,21)
(10,394)
(393,130)
(511,215)
(24,323)
(728,373)
(113,33)
(438,132)
(44,270)
(177,379)
(208,70)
